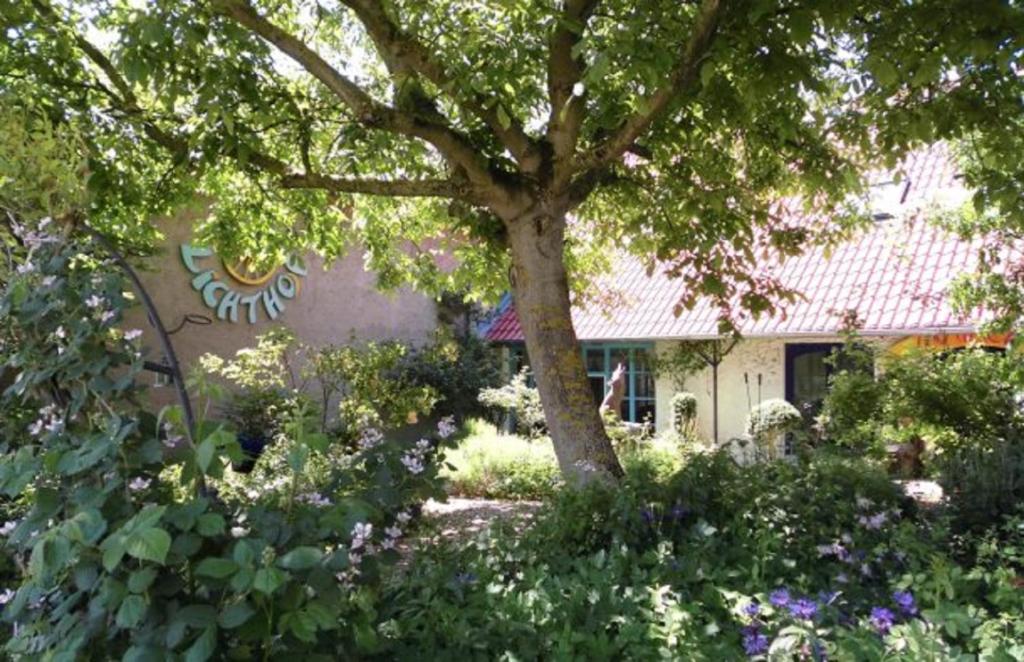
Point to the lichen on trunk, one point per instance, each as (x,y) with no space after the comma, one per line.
(540,288)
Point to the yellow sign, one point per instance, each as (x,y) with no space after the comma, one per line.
(947,341)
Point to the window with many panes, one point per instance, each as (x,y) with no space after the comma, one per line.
(638,401)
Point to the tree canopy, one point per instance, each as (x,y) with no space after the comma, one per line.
(524,137)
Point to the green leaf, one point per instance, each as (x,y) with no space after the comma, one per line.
(113,551)
(503,117)
(202,648)
(204,453)
(301,558)
(131,611)
(235,615)
(217,568)
(149,545)
(140,580)
(210,524)
(268,580)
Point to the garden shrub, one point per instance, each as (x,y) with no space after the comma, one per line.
(457,368)
(684,413)
(368,382)
(821,559)
(123,547)
(768,422)
(517,402)
(962,407)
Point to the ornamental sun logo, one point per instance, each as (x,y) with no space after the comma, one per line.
(265,290)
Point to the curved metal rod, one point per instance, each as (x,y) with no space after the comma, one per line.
(154,317)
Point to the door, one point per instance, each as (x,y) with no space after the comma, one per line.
(807,375)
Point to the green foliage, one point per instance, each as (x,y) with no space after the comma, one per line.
(457,368)
(769,421)
(687,566)
(492,465)
(371,383)
(121,548)
(684,412)
(963,406)
(517,403)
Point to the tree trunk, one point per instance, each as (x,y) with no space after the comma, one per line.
(540,289)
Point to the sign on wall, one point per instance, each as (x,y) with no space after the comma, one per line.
(274,286)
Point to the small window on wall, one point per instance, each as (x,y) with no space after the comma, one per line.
(638,401)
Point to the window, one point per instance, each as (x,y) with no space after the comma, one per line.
(638,401)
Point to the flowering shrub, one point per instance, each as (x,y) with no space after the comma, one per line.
(128,541)
(824,559)
(519,403)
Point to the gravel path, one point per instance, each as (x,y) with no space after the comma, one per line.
(464,518)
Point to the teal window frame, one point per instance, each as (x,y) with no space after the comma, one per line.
(631,397)
(518,356)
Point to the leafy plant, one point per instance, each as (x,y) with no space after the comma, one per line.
(457,368)
(769,421)
(518,403)
(123,549)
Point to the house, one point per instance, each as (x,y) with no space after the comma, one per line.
(893,278)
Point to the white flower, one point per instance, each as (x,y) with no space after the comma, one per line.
(360,533)
(239,532)
(315,499)
(354,559)
(9,526)
(6,596)
(387,543)
(403,517)
(95,301)
(446,427)
(132,334)
(60,333)
(412,463)
(35,428)
(370,438)
(138,484)
(107,316)
(26,268)
(49,280)
(863,503)
(393,532)
(423,445)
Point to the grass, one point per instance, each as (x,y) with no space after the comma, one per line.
(492,465)
(489,464)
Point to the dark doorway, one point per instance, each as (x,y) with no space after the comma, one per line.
(807,375)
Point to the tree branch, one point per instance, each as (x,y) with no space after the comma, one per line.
(564,71)
(404,48)
(456,149)
(682,77)
(422,188)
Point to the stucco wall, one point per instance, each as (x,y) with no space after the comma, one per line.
(753,357)
(331,306)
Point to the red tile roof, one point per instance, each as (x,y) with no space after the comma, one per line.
(894,277)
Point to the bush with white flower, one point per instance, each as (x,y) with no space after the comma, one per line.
(123,536)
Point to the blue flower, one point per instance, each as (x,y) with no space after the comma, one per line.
(804,608)
(647,515)
(882,619)
(905,601)
(779,597)
(754,643)
(752,609)
(679,512)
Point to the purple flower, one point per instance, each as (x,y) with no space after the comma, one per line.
(752,609)
(679,512)
(647,515)
(779,597)
(905,601)
(882,619)
(804,608)
(827,597)
(754,643)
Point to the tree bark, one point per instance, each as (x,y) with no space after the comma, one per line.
(540,290)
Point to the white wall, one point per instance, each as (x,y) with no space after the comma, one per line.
(753,357)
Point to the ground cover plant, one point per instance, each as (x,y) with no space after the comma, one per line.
(825,559)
